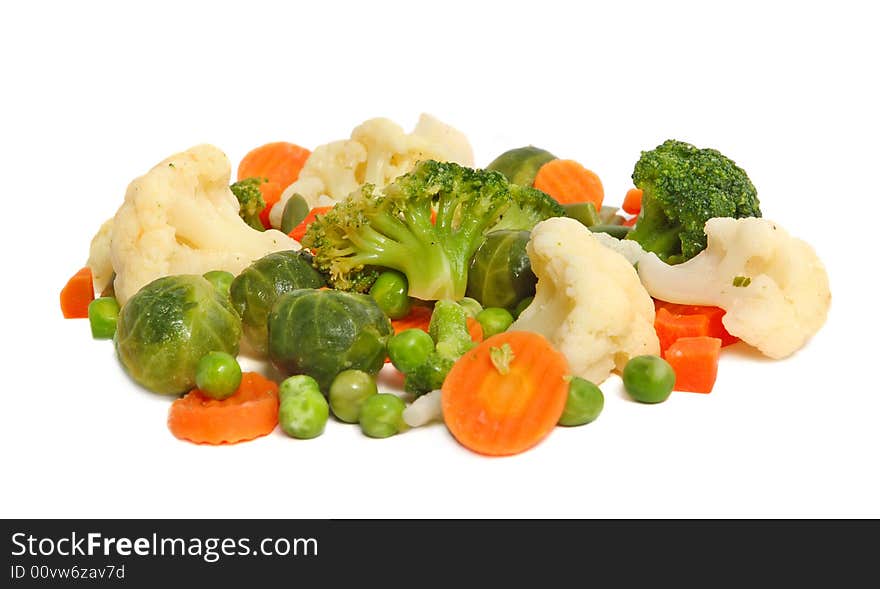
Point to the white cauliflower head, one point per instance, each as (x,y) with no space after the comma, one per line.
(588,302)
(378,152)
(772,285)
(179,218)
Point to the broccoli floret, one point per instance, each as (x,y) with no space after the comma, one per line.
(429,375)
(391,227)
(448,329)
(250,200)
(682,188)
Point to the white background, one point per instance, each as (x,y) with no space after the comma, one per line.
(95,94)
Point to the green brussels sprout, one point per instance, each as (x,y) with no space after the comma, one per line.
(501,273)
(521,164)
(323,332)
(167,326)
(255,290)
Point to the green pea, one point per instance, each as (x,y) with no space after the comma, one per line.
(296,384)
(618,231)
(494,320)
(295,211)
(390,293)
(103,312)
(303,414)
(585,212)
(471,306)
(584,404)
(348,391)
(409,349)
(648,379)
(218,375)
(382,415)
(220,279)
(521,306)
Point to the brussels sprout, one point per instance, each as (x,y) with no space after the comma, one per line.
(323,332)
(501,274)
(259,285)
(168,325)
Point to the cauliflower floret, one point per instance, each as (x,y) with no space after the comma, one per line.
(99,257)
(377,152)
(179,218)
(588,302)
(772,285)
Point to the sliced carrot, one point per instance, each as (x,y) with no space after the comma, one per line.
(630,222)
(299,231)
(77,294)
(632,202)
(278,162)
(569,182)
(505,395)
(419,318)
(714,314)
(695,362)
(251,412)
(475,329)
(271,192)
(671,327)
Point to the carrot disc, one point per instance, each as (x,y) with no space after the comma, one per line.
(251,412)
(569,182)
(506,394)
(278,162)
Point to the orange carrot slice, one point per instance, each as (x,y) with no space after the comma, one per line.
(506,394)
(251,412)
(77,294)
(278,162)
(695,362)
(632,202)
(569,182)
(670,327)
(475,329)
(714,315)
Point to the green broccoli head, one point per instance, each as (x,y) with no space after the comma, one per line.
(429,375)
(682,188)
(250,200)
(393,227)
(448,329)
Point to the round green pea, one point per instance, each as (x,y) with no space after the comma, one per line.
(521,306)
(584,404)
(409,349)
(294,212)
(348,392)
(220,279)
(303,414)
(382,415)
(494,320)
(390,291)
(648,379)
(298,383)
(218,375)
(103,313)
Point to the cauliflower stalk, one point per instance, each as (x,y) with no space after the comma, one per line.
(378,152)
(772,285)
(179,218)
(588,302)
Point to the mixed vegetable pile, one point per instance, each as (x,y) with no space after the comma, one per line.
(503,295)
